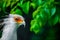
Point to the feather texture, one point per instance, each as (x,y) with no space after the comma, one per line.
(9,30)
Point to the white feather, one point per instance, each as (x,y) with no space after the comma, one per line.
(9,30)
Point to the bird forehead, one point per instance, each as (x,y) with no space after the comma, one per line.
(17,18)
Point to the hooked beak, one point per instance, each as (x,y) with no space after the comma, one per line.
(23,23)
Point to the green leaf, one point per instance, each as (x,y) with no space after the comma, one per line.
(12,3)
(37,2)
(47,10)
(35,13)
(37,25)
(20,4)
(53,20)
(8,3)
(25,7)
(51,0)
(4,6)
(17,11)
(35,28)
(33,5)
(12,10)
(53,10)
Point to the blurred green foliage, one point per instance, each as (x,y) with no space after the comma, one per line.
(45,12)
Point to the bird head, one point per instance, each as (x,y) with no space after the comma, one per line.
(11,24)
(17,19)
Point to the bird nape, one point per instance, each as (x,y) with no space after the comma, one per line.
(10,27)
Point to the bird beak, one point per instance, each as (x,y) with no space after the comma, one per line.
(23,23)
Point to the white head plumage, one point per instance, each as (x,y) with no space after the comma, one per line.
(11,24)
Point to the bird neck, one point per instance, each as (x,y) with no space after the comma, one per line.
(9,32)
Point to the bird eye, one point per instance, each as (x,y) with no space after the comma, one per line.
(18,19)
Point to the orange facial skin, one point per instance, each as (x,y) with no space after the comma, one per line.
(18,19)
